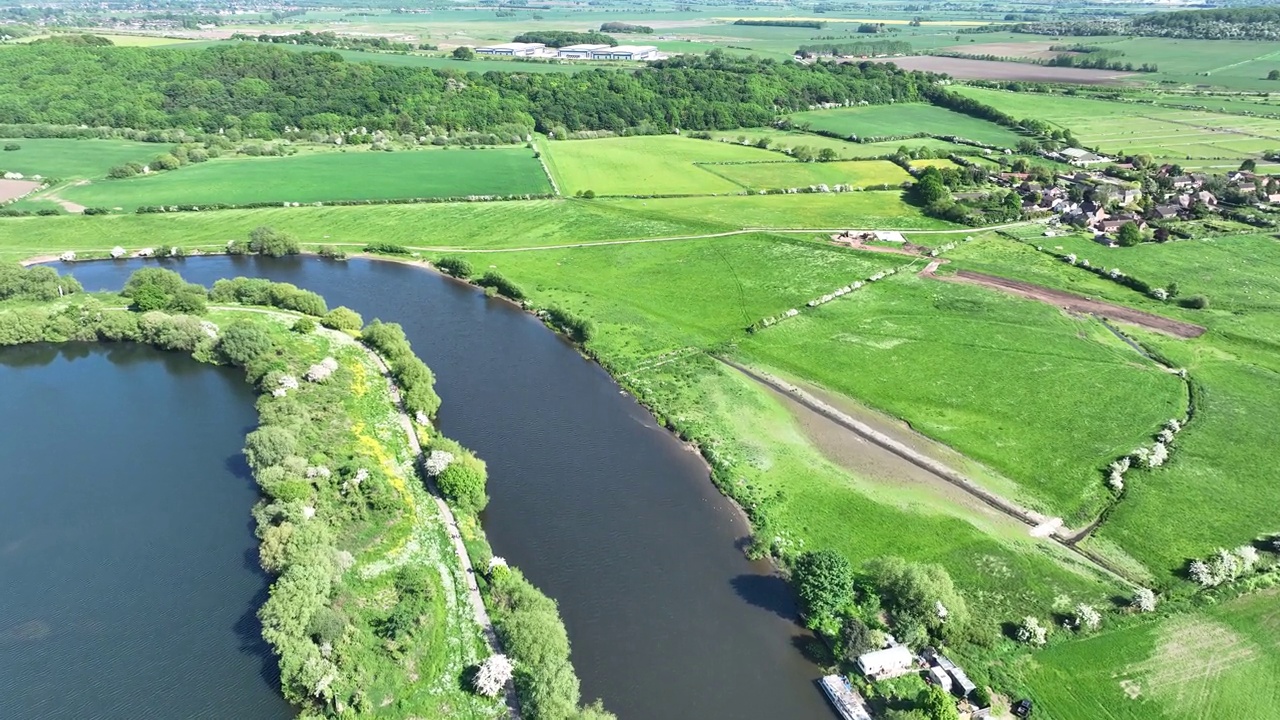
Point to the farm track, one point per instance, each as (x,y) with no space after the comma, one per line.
(1072,303)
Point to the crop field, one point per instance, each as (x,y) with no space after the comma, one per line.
(903,120)
(362,175)
(769,176)
(1191,138)
(933,162)
(646,165)
(1002,380)
(1219,662)
(872,210)
(67,159)
(966,69)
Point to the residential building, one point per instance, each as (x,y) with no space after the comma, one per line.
(1167,212)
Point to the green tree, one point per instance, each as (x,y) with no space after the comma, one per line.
(824,581)
(920,595)
(1129,235)
(269,445)
(1249,165)
(242,342)
(938,704)
(1273,75)
(856,639)
(464,53)
(827,154)
(165,161)
(266,240)
(342,318)
(930,189)
(803,153)
(463,482)
(304,326)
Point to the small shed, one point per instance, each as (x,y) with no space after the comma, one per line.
(888,663)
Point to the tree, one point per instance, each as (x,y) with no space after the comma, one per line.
(803,153)
(268,241)
(493,675)
(1273,75)
(161,289)
(242,342)
(165,161)
(824,581)
(1129,235)
(1249,165)
(464,53)
(304,326)
(930,189)
(827,154)
(938,704)
(856,639)
(342,318)
(920,594)
(1030,631)
(463,482)
(269,445)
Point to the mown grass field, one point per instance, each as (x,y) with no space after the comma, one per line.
(781,175)
(67,159)
(355,175)
(1220,662)
(877,210)
(902,120)
(650,300)
(646,165)
(1003,380)
(1188,137)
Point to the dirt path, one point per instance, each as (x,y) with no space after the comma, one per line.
(1072,302)
(1039,525)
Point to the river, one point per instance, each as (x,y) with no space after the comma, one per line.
(129,581)
(602,508)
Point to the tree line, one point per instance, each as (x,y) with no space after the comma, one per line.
(261,90)
(863,48)
(562,38)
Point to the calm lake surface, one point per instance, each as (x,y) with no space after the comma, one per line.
(129,579)
(601,508)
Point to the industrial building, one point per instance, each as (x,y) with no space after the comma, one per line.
(513,49)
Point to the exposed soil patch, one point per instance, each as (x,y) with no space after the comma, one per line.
(995,70)
(1031,51)
(1074,303)
(14,189)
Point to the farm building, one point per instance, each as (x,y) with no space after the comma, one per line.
(888,663)
(580,52)
(1083,158)
(625,52)
(512,49)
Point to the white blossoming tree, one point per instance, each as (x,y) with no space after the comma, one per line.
(1031,632)
(494,674)
(438,461)
(1087,618)
(1144,600)
(321,371)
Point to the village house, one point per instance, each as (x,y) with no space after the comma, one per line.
(1167,212)
(887,663)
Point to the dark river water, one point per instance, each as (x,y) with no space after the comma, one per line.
(600,507)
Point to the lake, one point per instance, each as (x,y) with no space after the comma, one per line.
(603,509)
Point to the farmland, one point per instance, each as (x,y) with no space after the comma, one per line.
(965,69)
(649,165)
(764,176)
(1192,138)
(71,159)
(904,121)
(785,140)
(870,209)
(360,175)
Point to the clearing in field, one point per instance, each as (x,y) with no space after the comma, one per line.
(904,120)
(646,165)
(781,175)
(66,159)
(356,175)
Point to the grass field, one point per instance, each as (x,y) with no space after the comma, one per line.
(71,159)
(358,175)
(769,176)
(845,150)
(646,165)
(874,210)
(1221,662)
(1002,380)
(900,120)
(1189,137)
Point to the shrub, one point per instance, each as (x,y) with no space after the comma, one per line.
(274,243)
(269,445)
(242,342)
(824,582)
(463,483)
(332,253)
(342,318)
(385,248)
(165,161)
(1195,302)
(304,326)
(34,283)
(160,289)
(10,147)
(411,374)
(1030,631)
(580,329)
(119,172)
(502,285)
(455,266)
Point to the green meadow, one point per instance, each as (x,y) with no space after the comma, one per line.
(329,176)
(645,165)
(74,159)
(845,150)
(904,120)
(781,175)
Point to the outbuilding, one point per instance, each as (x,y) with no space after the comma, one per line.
(887,663)
(514,49)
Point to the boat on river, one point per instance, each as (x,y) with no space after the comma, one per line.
(847,701)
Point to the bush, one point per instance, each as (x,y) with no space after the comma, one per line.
(455,266)
(165,161)
(416,382)
(502,285)
(824,581)
(342,318)
(463,483)
(10,147)
(580,329)
(119,172)
(269,445)
(243,342)
(384,248)
(332,253)
(160,289)
(34,283)
(271,242)
(1195,302)
(304,326)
